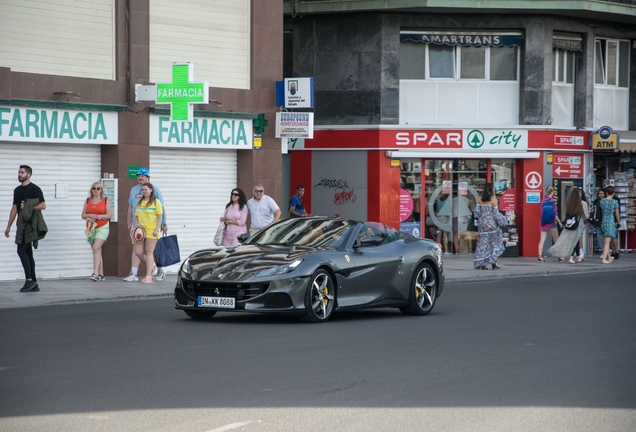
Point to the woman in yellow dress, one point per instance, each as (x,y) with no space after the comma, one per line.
(148,215)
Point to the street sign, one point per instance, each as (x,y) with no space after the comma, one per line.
(533,180)
(567,165)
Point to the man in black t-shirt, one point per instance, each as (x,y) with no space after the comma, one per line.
(25,191)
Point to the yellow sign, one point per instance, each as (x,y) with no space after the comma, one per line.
(395,163)
(550,157)
(258,143)
(611,143)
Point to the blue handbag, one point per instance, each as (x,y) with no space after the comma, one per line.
(167,251)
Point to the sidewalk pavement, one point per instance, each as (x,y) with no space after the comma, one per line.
(458,268)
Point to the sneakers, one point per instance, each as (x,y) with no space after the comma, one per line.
(154,270)
(29,286)
(160,276)
(131,278)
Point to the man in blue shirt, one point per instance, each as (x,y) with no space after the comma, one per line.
(143,176)
(296,204)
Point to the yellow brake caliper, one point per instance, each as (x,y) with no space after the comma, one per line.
(325,291)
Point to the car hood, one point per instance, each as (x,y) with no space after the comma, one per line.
(244,261)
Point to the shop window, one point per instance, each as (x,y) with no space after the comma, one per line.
(611,63)
(458,62)
(412,61)
(563,66)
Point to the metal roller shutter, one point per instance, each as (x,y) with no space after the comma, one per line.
(196,186)
(64,252)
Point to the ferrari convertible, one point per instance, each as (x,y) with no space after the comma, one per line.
(312,267)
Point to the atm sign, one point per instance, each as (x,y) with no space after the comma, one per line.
(610,143)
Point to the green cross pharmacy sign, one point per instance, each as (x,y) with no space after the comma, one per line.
(180,94)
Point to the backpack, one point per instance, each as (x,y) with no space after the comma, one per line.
(548,214)
(596,214)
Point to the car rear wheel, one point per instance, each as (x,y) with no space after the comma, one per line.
(423,291)
(199,314)
(320,298)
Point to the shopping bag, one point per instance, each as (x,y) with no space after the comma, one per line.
(167,251)
(220,233)
(472,223)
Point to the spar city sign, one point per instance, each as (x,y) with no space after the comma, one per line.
(180,94)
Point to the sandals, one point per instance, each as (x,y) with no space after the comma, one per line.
(580,260)
(94,277)
(147,279)
(561,259)
(541,258)
(495,266)
(100,278)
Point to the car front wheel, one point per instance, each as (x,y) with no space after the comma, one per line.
(199,314)
(423,291)
(320,298)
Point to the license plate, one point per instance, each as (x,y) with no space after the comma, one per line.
(217,302)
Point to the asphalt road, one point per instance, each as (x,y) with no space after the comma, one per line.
(555,354)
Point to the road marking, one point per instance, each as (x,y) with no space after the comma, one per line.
(230,426)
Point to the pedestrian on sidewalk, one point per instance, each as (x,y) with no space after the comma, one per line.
(143,176)
(28,203)
(575,216)
(149,215)
(263,209)
(549,220)
(614,241)
(97,211)
(235,217)
(609,206)
(296,204)
(586,209)
(490,243)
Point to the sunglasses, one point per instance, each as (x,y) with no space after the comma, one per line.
(259,191)
(97,188)
(235,194)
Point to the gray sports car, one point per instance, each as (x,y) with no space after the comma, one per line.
(311,267)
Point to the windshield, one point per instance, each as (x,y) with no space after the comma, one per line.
(306,232)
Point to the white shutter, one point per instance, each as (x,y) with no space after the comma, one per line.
(196,186)
(64,252)
(64,37)
(212,34)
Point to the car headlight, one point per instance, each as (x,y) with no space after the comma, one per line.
(186,268)
(280,269)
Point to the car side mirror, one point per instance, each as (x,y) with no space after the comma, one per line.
(370,241)
(242,237)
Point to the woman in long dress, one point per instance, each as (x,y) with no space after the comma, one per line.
(567,244)
(235,217)
(610,222)
(490,244)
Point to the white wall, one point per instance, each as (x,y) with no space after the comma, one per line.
(611,107)
(465,103)
(62,37)
(212,34)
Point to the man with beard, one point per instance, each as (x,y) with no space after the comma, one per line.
(143,176)
(21,194)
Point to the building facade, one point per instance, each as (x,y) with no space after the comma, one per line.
(419,104)
(68,72)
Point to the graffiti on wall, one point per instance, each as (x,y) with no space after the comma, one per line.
(342,192)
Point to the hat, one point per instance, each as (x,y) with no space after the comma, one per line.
(138,234)
(144,172)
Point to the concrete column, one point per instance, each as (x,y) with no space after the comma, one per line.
(584,83)
(536,74)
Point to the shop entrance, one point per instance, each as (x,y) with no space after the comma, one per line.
(446,190)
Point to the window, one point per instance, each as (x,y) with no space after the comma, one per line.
(611,62)
(431,61)
(563,66)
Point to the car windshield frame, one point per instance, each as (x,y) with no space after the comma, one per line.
(310,232)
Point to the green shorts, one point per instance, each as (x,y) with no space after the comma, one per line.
(102,232)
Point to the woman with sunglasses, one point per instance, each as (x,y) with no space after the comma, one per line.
(235,217)
(97,211)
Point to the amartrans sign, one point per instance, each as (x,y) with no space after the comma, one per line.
(22,124)
(180,94)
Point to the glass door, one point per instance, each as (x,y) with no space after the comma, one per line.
(451,188)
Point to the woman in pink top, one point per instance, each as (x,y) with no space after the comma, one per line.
(235,217)
(548,201)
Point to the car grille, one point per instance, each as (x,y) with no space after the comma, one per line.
(240,291)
